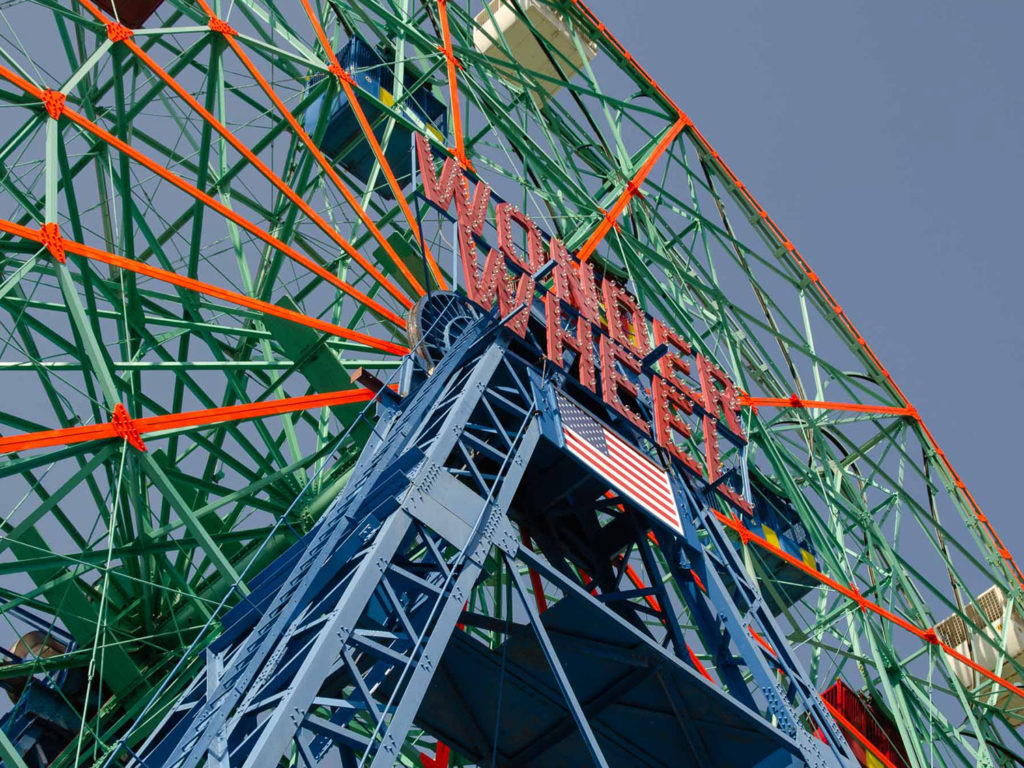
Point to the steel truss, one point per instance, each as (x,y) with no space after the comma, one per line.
(352,634)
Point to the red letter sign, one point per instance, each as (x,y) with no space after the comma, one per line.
(717,400)
(673,399)
(575,287)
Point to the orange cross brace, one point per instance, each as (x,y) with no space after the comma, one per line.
(192,191)
(535,581)
(117,427)
(639,584)
(371,138)
(239,299)
(118,32)
(49,236)
(248,154)
(453,88)
(322,161)
(632,189)
(851,592)
(795,402)
(858,735)
(125,428)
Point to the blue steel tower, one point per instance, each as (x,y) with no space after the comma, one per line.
(363,631)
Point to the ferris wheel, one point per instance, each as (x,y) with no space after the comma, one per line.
(242,244)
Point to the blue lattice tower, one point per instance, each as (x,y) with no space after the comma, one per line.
(407,608)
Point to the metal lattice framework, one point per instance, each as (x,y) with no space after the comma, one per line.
(189,284)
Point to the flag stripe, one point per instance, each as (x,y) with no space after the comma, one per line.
(647,470)
(641,465)
(659,490)
(655,496)
(618,461)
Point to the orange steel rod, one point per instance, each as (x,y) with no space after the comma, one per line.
(78,434)
(815,282)
(851,592)
(535,582)
(251,157)
(632,188)
(321,159)
(634,577)
(228,36)
(346,84)
(846,323)
(192,191)
(198,286)
(652,601)
(453,88)
(107,430)
(928,635)
(795,402)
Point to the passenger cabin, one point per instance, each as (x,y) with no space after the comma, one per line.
(131,13)
(342,139)
(868,727)
(777,522)
(999,621)
(47,711)
(502,34)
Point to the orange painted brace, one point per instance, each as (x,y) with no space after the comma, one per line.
(632,189)
(249,155)
(795,402)
(198,286)
(219,207)
(804,267)
(850,593)
(319,156)
(129,429)
(371,138)
(927,635)
(341,74)
(609,219)
(761,641)
(219,25)
(652,601)
(538,586)
(441,759)
(458,62)
(453,88)
(639,584)
(848,325)
(697,663)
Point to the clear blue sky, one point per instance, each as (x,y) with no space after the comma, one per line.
(886,140)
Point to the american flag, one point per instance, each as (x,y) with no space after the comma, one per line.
(622,465)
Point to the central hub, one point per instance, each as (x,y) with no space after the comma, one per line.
(437,321)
